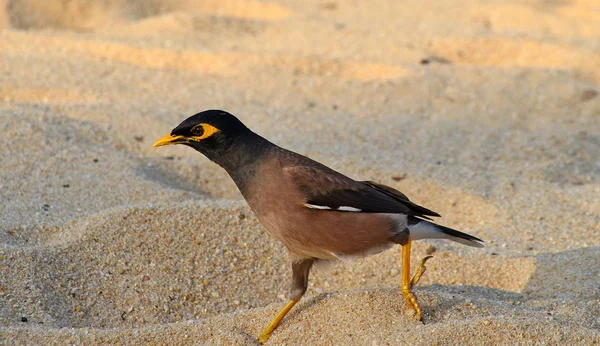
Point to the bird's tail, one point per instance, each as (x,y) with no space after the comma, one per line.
(421,229)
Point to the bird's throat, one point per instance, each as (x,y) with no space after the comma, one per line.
(242,159)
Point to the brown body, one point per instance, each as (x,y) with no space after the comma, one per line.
(330,236)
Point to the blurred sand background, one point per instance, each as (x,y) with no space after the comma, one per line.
(487,112)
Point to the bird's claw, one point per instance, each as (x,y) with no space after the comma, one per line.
(263,338)
(420,271)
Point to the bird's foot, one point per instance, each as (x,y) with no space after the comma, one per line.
(264,336)
(411,300)
(419,272)
(412,303)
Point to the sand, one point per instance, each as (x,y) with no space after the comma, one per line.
(487,112)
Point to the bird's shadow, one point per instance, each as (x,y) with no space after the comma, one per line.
(571,274)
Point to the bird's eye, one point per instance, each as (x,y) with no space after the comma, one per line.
(197,130)
(202,131)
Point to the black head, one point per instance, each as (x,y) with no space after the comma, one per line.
(210,132)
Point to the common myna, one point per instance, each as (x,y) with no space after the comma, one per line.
(318,213)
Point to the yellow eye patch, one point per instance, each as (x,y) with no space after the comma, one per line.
(202,131)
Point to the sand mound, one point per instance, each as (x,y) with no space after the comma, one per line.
(86,15)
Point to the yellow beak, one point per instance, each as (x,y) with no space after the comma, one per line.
(168,139)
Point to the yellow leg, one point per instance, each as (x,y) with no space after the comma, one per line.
(408,283)
(266,333)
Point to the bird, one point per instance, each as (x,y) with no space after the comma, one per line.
(319,214)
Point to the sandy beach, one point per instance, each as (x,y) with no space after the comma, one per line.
(487,112)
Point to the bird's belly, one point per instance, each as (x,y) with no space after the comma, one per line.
(329,234)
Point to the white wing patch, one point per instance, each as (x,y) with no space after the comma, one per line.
(324,207)
(314,206)
(348,209)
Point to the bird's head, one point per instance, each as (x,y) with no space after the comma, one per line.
(211,132)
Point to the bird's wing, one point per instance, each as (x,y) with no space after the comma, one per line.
(326,189)
(400,197)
